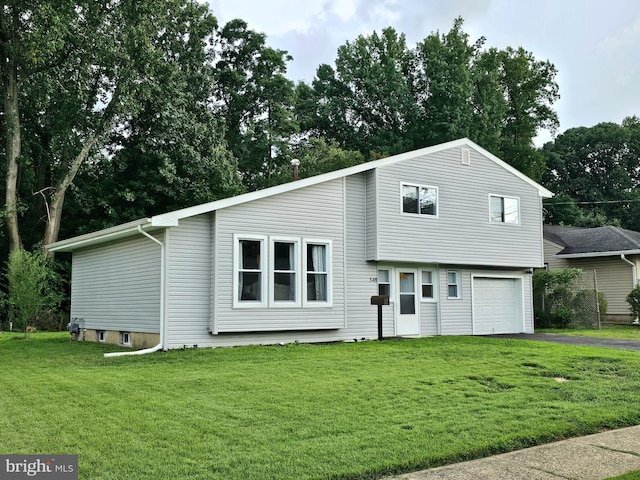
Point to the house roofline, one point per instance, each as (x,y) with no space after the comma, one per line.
(172,219)
(119,231)
(615,253)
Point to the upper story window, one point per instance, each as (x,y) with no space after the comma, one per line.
(420,199)
(504,209)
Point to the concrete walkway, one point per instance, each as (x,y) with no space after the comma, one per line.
(594,457)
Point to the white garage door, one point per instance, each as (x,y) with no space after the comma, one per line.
(497,306)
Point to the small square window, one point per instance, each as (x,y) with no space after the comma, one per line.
(504,209)
(125,338)
(427,285)
(420,200)
(384,283)
(101,336)
(453,284)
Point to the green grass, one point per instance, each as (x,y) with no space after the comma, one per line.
(625,332)
(628,476)
(341,411)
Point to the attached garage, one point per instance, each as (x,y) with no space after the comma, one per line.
(497,305)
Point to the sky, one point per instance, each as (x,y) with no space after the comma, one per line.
(594,44)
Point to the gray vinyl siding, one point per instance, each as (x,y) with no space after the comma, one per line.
(428,319)
(316,212)
(550,259)
(371,214)
(361,275)
(462,233)
(189,281)
(117,286)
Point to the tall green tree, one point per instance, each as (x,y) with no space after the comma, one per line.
(366,103)
(84,69)
(256,100)
(445,85)
(595,171)
(530,89)
(171,153)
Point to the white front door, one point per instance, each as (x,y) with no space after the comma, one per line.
(407,315)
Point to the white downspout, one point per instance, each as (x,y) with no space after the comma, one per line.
(160,345)
(633,269)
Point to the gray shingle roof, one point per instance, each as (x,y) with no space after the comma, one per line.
(580,240)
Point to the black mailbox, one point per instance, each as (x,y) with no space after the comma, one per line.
(380,300)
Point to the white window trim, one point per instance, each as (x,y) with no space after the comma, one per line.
(434,283)
(297,254)
(421,215)
(496,195)
(390,282)
(313,303)
(458,283)
(237,303)
(122,339)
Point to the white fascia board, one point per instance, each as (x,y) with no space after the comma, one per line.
(119,231)
(599,254)
(171,219)
(543,192)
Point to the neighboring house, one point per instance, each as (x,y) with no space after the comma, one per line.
(451,233)
(614,254)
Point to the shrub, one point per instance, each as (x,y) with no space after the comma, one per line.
(555,297)
(633,299)
(34,288)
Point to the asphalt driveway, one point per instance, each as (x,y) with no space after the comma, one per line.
(574,340)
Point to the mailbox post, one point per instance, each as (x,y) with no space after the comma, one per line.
(380,300)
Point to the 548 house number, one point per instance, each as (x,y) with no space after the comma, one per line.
(373,279)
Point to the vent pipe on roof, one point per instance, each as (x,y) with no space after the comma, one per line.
(295,163)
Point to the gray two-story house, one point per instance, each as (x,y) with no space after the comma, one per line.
(450,233)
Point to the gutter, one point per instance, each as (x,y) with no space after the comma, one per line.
(159,346)
(634,269)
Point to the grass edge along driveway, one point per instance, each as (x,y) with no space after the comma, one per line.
(348,410)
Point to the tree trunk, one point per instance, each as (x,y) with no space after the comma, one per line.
(57,199)
(12,120)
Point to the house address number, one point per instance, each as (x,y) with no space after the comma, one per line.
(373,279)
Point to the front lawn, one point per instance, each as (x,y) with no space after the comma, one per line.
(350,410)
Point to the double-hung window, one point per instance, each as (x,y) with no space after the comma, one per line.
(453,284)
(285,265)
(317,279)
(427,285)
(504,209)
(384,282)
(249,266)
(420,200)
